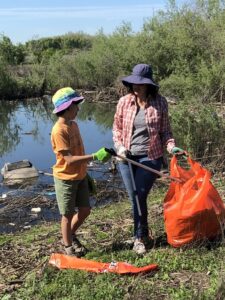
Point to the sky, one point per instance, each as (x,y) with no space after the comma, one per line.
(23,20)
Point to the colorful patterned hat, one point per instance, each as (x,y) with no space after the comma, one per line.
(64,97)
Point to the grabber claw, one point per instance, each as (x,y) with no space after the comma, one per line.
(111,151)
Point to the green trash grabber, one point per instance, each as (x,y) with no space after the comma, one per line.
(113,153)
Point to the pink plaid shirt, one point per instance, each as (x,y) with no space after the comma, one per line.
(156,117)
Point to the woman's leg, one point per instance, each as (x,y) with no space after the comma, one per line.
(144,180)
(125,174)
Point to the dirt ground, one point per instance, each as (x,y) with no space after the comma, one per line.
(18,214)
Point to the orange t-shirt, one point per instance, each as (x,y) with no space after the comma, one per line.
(67,137)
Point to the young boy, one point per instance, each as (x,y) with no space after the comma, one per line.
(70,170)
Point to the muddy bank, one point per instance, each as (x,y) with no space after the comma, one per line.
(20,209)
(23,208)
(106,95)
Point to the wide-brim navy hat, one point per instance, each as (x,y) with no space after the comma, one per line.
(141,74)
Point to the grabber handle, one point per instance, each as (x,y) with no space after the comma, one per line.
(113,153)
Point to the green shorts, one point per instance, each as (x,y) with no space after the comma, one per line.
(71,194)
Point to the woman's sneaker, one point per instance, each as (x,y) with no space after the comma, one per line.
(139,247)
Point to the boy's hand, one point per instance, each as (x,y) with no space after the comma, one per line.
(101,155)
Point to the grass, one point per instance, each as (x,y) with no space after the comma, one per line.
(191,273)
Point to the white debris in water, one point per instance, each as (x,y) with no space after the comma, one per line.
(3,196)
(36,209)
(12,224)
(27,227)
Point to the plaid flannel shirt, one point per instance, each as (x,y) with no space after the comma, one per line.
(156,118)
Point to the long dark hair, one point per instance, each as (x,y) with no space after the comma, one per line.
(151,91)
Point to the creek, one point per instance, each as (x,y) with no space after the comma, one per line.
(25,134)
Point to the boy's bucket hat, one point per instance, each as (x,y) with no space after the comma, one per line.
(141,74)
(64,97)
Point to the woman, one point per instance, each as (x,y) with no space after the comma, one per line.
(142,129)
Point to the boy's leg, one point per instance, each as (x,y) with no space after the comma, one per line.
(66,195)
(66,221)
(83,205)
(79,218)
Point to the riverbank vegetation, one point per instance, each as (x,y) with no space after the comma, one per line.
(184,45)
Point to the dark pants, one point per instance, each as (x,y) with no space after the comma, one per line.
(143,180)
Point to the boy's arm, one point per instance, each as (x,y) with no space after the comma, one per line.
(101,155)
(70,159)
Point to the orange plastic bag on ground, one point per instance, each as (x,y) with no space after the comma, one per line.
(62,261)
(193,210)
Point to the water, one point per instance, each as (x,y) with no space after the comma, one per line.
(25,134)
(26,126)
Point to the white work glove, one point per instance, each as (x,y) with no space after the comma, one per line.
(123,152)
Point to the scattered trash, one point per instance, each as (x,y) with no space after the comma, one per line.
(62,261)
(45,173)
(36,209)
(28,133)
(3,196)
(34,216)
(27,227)
(19,170)
(12,224)
(49,193)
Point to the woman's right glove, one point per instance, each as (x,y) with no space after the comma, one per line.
(123,152)
(101,155)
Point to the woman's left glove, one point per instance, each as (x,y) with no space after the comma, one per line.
(101,155)
(178,151)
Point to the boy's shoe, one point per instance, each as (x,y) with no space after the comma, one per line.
(78,247)
(139,247)
(70,251)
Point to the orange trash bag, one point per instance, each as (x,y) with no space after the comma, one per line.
(193,210)
(62,261)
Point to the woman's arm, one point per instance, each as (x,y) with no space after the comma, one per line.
(118,125)
(165,129)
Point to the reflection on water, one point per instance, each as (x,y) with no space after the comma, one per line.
(26,127)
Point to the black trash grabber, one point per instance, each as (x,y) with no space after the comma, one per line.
(113,153)
(135,190)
